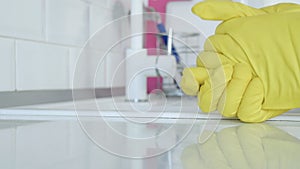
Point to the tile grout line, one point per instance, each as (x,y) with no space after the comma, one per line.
(39,41)
(44,22)
(15,66)
(70,74)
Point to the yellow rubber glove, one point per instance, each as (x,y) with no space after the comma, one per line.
(250,146)
(250,68)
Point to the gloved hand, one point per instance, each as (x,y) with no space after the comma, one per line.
(250,146)
(250,68)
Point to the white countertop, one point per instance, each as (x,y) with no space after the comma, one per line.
(51,136)
(166,108)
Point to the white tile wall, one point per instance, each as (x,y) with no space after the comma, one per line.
(7,17)
(41,66)
(115,70)
(109,25)
(88,69)
(107,4)
(30,19)
(106,30)
(102,72)
(67,22)
(125,3)
(104,33)
(99,17)
(98,3)
(22,19)
(74,54)
(42,39)
(7,65)
(100,30)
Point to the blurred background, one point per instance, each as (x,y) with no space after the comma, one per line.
(41,40)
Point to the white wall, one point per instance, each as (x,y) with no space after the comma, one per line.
(40,41)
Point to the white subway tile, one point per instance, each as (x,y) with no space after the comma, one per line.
(101,74)
(108,25)
(98,3)
(73,56)
(22,19)
(41,66)
(7,65)
(108,37)
(119,8)
(115,70)
(87,69)
(30,19)
(106,32)
(67,22)
(127,4)
(8,17)
(99,17)
(79,70)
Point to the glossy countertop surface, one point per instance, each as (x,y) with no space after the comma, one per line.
(158,107)
(117,134)
(62,144)
(113,107)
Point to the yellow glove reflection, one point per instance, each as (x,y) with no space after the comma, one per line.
(251,146)
(250,68)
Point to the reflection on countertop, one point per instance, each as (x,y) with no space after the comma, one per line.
(249,146)
(61,144)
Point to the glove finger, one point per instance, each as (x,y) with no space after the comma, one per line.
(223,10)
(225,43)
(282,7)
(232,96)
(211,60)
(192,79)
(212,89)
(250,109)
(260,116)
